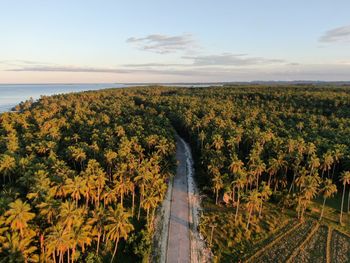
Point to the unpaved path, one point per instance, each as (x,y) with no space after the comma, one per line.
(179,228)
(184,241)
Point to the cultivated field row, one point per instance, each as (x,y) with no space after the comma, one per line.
(306,242)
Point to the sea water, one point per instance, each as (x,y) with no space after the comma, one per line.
(13,94)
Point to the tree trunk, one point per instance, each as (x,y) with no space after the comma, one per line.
(216,196)
(138,215)
(250,214)
(269,180)
(275,187)
(324,202)
(341,207)
(98,196)
(133,203)
(290,188)
(86,201)
(237,207)
(147,214)
(73,253)
(98,242)
(115,249)
(333,170)
(233,195)
(211,234)
(302,213)
(260,208)
(348,201)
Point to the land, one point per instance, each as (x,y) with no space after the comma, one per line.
(90,176)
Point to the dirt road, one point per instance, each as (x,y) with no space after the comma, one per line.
(179,230)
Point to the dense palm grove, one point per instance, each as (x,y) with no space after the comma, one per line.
(287,145)
(83,173)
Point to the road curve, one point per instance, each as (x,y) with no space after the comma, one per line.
(178,250)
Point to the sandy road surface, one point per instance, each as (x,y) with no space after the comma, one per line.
(179,231)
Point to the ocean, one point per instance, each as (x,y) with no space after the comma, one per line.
(13,94)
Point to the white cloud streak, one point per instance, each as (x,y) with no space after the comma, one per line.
(163,44)
(229,59)
(339,34)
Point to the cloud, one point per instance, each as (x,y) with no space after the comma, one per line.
(150,65)
(200,70)
(163,44)
(223,60)
(229,59)
(339,34)
(40,68)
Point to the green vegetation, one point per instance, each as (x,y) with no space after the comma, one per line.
(83,173)
(282,145)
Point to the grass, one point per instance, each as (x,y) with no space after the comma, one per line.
(334,202)
(232,242)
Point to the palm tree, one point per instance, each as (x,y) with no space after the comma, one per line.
(338,154)
(100,182)
(122,186)
(15,248)
(76,187)
(217,181)
(149,203)
(144,175)
(95,181)
(218,142)
(70,214)
(314,163)
(58,240)
(49,209)
(239,184)
(253,203)
(118,226)
(275,165)
(81,236)
(258,168)
(296,167)
(308,186)
(162,147)
(328,190)
(110,156)
(265,193)
(201,137)
(98,221)
(18,215)
(7,166)
(327,162)
(310,149)
(345,178)
(77,154)
(235,164)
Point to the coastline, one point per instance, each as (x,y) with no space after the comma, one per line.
(14,94)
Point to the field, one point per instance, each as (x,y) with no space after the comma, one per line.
(276,237)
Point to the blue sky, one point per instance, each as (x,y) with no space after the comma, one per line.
(173,41)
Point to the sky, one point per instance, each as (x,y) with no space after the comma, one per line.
(87,41)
